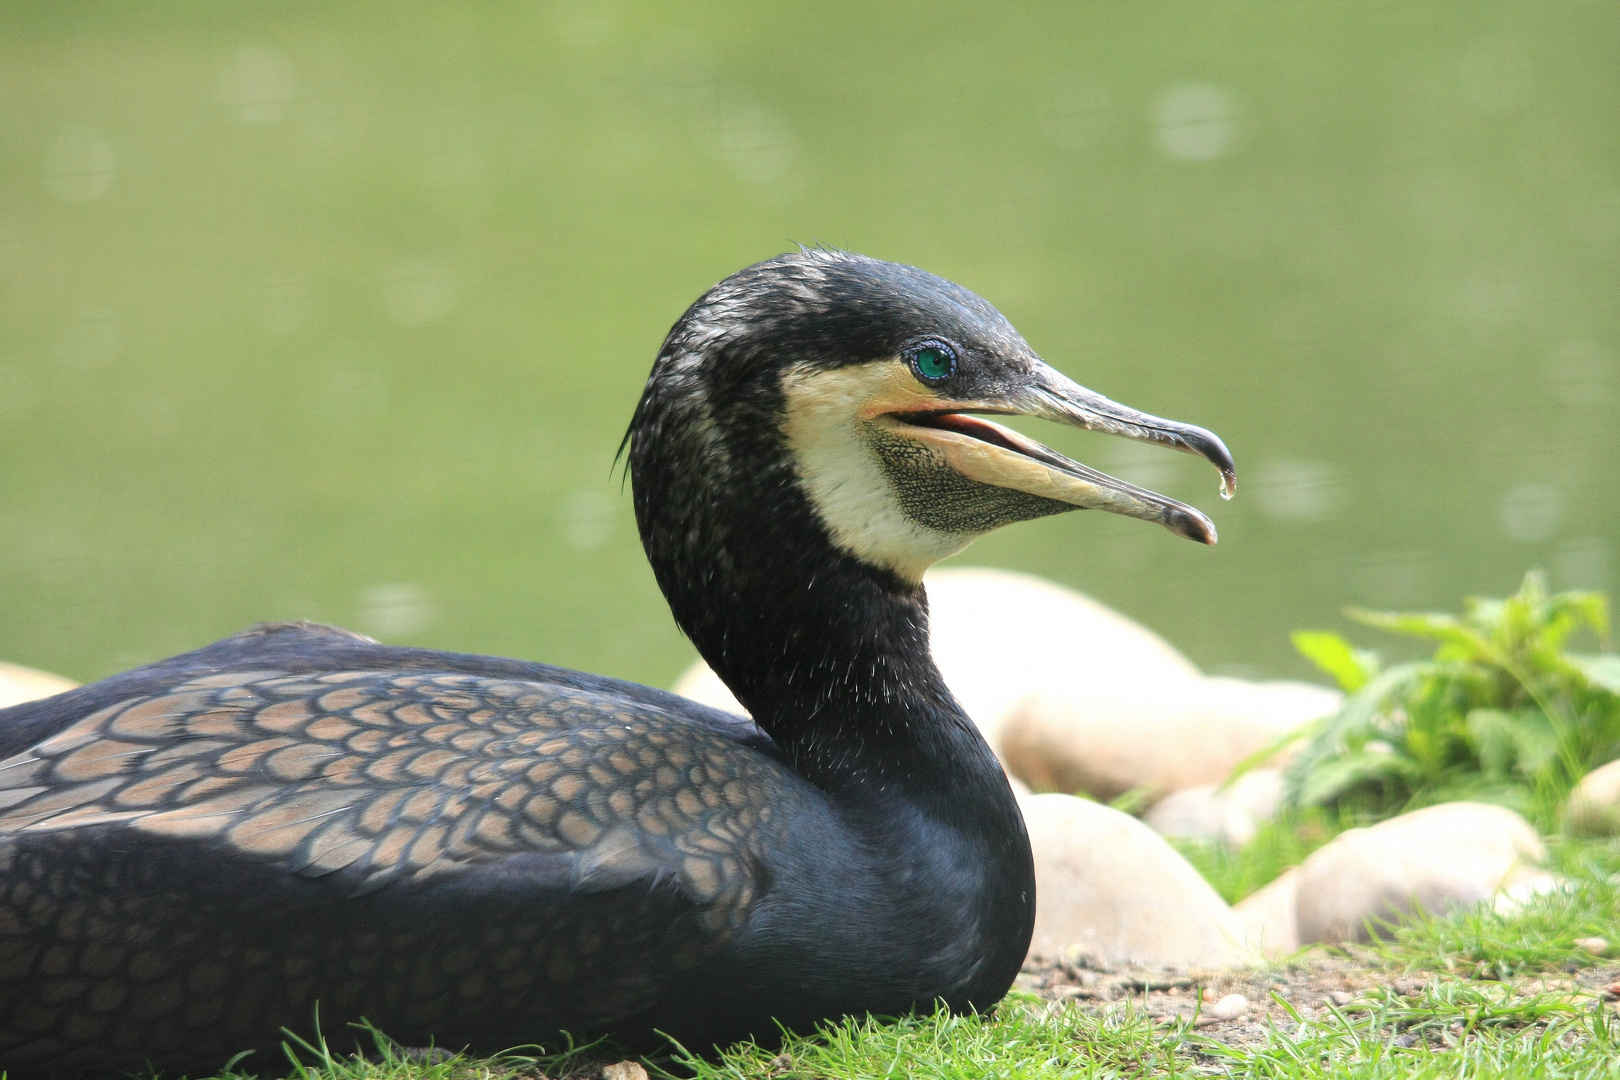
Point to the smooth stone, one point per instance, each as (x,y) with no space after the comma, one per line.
(19,684)
(1201,813)
(1526,890)
(1259,791)
(1110,886)
(1229,817)
(1593,808)
(1269,917)
(999,637)
(1596,946)
(1158,736)
(702,685)
(1440,858)
(1074,696)
(1229,1007)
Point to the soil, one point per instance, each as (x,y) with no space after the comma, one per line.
(1313,986)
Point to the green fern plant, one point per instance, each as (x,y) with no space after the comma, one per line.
(1501,713)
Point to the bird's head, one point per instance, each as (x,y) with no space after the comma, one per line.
(839,388)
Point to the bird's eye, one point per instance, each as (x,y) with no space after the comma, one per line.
(933,362)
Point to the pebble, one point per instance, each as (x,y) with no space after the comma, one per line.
(1111,889)
(1270,917)
(19,684)
(1000,637)
(1593,808)
(1229,1007)
(624,1070)
(699,683)
(1112,735)
(1230,817)
(1595,945)
(1440,858)
(1524,891)
(1073,696)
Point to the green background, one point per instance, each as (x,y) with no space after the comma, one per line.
(339,311)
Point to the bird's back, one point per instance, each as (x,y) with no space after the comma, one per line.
(454,848)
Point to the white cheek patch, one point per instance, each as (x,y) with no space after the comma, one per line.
(841,473)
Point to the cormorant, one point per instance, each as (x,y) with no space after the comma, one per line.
(482,852)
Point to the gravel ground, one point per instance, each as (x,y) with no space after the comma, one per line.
(1314,986)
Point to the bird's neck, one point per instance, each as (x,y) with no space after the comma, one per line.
(839,673)
(831,658)
(827,652)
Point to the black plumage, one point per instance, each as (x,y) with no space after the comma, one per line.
(483,852)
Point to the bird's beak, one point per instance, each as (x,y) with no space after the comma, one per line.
(988,453)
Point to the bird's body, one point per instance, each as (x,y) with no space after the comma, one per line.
(484,852)
(445,845)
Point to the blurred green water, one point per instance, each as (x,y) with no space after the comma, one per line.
(338,311)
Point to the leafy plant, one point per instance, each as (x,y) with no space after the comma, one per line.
(1501,713)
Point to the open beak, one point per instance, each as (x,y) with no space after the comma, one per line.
(991,454)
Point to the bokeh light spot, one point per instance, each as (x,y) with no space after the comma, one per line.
(1530,512)
(588,517)
(1583,563)
(418,292)
(1195,122)
(754,143)
(1582,375)
(587,24)
(1302,491)
(90,338)
(396,610)
(258,85)
(80,165)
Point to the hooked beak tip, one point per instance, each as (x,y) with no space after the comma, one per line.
(1208,445)
(1194,526)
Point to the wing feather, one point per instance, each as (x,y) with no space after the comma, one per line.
(372,777)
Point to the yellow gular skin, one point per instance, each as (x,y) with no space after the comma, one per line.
(833,417)
(827,423)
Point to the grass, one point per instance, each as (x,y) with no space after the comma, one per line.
(1490,1005)
(1278,844)
(1539,936)
(1544,1036)
(1023,1040)
(1528,1041)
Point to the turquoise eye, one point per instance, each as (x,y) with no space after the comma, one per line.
(933,362)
